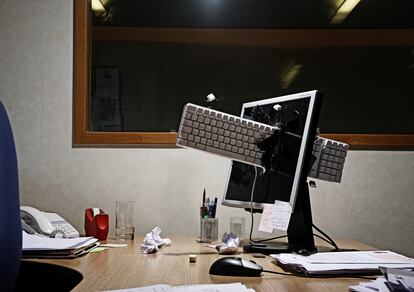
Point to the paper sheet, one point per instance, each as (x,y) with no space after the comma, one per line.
(376,285)
(153,241)
(266,219)
(98,249)
(153,288)
(347,262)
(114,245)
(359,257)
(35,242)
(403,279)
(233,287)
(281,215)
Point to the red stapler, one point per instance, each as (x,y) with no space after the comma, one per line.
(96,223)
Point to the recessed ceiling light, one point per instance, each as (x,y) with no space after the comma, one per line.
(97,7)
(291,73)
(343,11)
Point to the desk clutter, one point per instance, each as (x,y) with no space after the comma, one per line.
(208,220)
(393,280)
(35,246)
(153,241)
(187,262)
(233,287)
(230,244)
(342,263)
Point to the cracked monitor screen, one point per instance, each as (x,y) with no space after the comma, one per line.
(285,158)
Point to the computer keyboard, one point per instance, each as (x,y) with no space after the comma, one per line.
(330,158)
(223,134)
(235,138)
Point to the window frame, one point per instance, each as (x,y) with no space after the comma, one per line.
(83,137)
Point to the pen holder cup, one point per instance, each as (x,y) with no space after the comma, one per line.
(208,229)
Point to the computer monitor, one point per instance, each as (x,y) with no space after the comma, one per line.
(296,115)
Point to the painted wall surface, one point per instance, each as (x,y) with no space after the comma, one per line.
(373,203)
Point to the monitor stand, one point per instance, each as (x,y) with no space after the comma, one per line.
(299,233)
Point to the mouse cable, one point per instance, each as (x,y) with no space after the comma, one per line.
(324,276)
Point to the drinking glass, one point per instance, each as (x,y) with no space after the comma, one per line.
(124,220)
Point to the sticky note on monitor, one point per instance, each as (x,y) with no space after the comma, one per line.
(281,215)
(266,219)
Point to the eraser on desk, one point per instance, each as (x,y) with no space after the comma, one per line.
(193,258)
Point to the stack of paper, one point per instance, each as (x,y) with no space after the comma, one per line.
(393,280)
(234,287)
(35,246)
(357,262)
(376,285)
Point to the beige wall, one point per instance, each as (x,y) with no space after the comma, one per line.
(373,203)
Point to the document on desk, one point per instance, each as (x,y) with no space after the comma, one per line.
(357,262)
(393,280)
(233,287)
(35,246)
(35,242)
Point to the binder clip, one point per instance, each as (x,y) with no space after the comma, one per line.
(96,223)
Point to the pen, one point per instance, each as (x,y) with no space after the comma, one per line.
(214,208)
(206,204)
(202,204)
(210,205)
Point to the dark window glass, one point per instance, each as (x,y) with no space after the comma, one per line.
(142,86)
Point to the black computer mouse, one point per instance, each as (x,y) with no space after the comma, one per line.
(235,266)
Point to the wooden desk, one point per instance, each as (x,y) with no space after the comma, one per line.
(120,268)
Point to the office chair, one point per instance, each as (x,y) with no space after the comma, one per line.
(10,226)
(17,275)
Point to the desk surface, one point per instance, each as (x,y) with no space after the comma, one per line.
(120,268)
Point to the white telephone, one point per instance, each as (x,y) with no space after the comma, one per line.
(35,221)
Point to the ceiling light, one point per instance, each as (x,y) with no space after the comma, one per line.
(97,7)
(291,73)
(343,11)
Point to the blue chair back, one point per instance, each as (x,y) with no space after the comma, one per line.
(10,224)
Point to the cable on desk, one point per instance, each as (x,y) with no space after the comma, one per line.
(324,239)
(327,238)
(251,204)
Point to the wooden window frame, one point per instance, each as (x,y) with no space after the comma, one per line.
(281,38)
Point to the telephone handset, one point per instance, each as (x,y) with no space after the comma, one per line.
(45,223)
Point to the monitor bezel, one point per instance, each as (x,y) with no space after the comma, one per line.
(312,94)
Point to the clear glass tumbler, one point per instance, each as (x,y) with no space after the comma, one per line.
(124,220)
